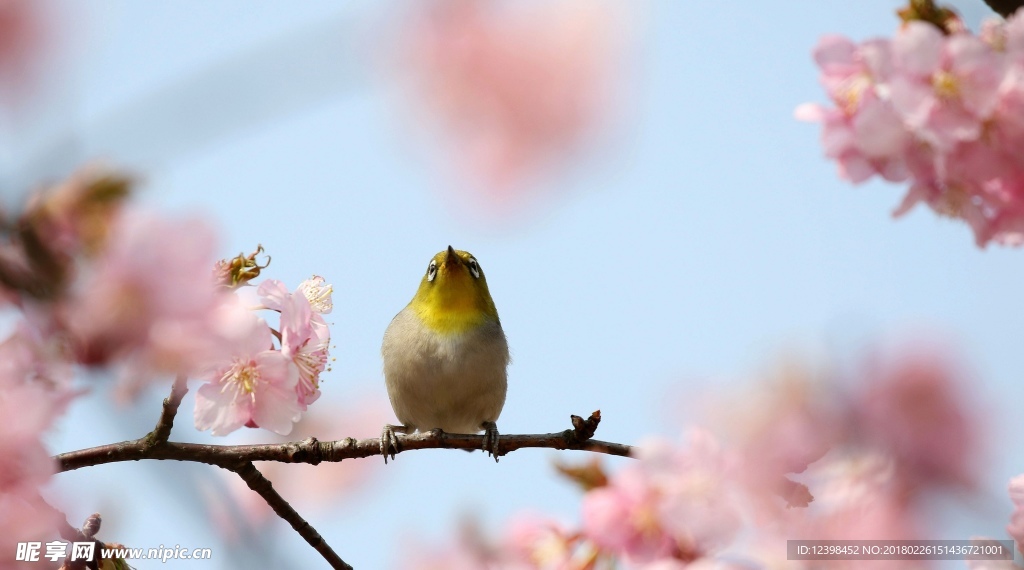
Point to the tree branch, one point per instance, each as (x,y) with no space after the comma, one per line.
(162,431)
(1005,8)
(313,451)
(239,458)
(257,482)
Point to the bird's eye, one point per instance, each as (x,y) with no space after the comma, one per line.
(431,271)
(474,267)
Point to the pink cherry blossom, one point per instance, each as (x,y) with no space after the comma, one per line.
(24,461)
(149,301)
(251,384)
(916,410)
(1011,34)
(864,144)
(34,392)
(24,39)
(778,428)
(944,111)
(863,133)
(944,86)
(852,72)
(698,505)
(674,502)
(318,293)
(621,518)
(673,564)
(22,519)
(1016,527)
(305,337)
(537,542)
(701,564)
(854,500)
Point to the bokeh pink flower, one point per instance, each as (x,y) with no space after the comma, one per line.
(916,409)
(1016,527)
(148,303)
(25,35)
(675,502)
(35,389)
(514,90)
(537,542)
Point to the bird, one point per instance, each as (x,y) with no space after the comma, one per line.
(446,357)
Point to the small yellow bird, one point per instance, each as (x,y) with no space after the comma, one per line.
(445,355)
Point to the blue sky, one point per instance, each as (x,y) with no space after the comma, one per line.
(704,237)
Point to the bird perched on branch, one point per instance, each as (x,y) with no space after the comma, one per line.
(445,355)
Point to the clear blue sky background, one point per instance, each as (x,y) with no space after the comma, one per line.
(704,239)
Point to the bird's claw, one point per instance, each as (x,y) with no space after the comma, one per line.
(388,443)
(491,439)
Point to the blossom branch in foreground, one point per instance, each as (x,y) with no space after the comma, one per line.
(313,451)
(257,482)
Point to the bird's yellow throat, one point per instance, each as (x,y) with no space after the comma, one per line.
(454,301)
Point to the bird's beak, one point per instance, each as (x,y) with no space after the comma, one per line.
(452,257)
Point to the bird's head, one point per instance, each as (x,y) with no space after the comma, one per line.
(453,295)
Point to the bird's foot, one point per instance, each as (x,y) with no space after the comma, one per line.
(389,442)
(491,439)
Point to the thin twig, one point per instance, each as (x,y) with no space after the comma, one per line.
(162,431)
(257,482)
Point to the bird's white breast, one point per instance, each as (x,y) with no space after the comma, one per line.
(454,382)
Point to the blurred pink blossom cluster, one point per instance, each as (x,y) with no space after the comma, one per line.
(941,111)
(531,541)
(35,388)
(804,458)
(1016,527)
(87,281)
(515,90)
(24,39)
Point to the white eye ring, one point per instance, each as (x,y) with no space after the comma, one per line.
(474,267)
(432,271)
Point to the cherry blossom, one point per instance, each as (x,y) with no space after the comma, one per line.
(535,541)
(251,385)
(24,519)
(514,90)
(673,502)
(34,391)
(915,410)
(1016,527)
(24,40)
(318,293)
(939,109)
(943,87)
(305,337)
(148,302)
